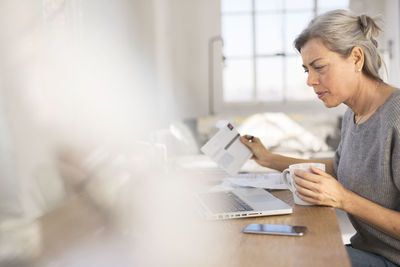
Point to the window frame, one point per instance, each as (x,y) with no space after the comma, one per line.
(254,105)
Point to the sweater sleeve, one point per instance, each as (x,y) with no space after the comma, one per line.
(338,152)
(337,158)
(395,157)
(392,142)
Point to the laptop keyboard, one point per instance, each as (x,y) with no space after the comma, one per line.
(223,202)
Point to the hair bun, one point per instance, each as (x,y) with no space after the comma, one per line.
(369,27)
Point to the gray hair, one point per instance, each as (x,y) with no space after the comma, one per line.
(341,31)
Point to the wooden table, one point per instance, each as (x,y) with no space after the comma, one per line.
(320,246)
(171,237)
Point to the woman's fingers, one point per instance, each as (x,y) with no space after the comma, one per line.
(307,175)
(251,142)
(307,198)
(246,139)
(256,147)
(301,183)
(308,191)
(305,191)
(319,171)
(317,188)
(314,176)
(307,185)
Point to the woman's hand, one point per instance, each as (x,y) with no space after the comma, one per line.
(260,154)
(319,188)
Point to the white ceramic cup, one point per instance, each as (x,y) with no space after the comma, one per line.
(288,174)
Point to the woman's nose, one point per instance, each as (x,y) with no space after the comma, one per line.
(312,79)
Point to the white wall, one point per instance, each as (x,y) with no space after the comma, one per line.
(183,28)
(392,34)
(369,7)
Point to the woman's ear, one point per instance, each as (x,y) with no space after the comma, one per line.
(357,56)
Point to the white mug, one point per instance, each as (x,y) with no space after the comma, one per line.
(288,179)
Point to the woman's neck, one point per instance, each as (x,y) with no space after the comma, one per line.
(369,95)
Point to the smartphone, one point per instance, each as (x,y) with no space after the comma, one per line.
(275,229)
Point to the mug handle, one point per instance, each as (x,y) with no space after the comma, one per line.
(286,180)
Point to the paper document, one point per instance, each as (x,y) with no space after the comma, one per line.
(226,149)
(271,180)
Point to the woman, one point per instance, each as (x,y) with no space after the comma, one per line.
(340,56)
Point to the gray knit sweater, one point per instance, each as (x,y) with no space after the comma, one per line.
(367,162)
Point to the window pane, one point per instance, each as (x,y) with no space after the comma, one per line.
(270,79)
(238,80)
(236,32)
(235,6)
(297,88)
(329,4)
(300,5)
(295,24)
(269,34)
(268,5)
(325,6)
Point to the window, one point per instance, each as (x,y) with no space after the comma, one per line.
(261,64)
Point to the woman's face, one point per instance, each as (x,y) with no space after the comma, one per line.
(332,76)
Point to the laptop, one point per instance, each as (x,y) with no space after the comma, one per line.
(241,203)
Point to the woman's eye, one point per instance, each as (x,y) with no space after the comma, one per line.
(319,67)
(305,71)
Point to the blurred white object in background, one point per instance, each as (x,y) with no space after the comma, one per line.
(280,133)
(20,241)
(177,139)
(76,75)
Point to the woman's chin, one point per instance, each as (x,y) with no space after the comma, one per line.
(329,104)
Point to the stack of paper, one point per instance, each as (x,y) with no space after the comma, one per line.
(271,180)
